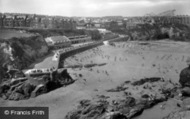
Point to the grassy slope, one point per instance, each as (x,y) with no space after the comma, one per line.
(8,34)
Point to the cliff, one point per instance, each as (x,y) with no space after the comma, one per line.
(176,32)
(18,53)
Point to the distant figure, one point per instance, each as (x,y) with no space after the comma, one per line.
(185,75)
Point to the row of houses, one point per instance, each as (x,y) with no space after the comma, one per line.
(35,21)
(8,20)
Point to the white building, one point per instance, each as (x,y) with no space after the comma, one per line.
(57,42)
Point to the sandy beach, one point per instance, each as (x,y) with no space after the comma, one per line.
(126,61)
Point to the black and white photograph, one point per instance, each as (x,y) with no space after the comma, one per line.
(94,59)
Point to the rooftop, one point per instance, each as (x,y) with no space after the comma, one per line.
(56,39)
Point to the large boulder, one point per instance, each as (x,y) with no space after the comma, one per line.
(40,89)
(185,77)
(124,104)
(114,115)
(185,91)
(135,111)
(88,110)
(16,96)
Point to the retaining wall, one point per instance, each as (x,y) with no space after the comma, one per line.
(67,54)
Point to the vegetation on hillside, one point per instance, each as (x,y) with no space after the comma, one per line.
(178,32)
(55,32)
(95,34)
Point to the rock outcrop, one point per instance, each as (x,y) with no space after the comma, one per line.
(184,77)
(138,96)
(25,87)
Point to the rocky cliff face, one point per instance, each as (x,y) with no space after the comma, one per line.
(18,53)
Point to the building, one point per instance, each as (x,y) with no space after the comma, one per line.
(113,25)
(120,23)
(89,25)
(28,20)
(57,42)
(1,20)
(8,21)
(19,20)
(81,25)
(79,39)
(134,21)
(37,22)
(104,31)
(97,25)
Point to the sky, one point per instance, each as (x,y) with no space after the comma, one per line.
(95,8)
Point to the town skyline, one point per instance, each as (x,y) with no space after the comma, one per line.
(94,8)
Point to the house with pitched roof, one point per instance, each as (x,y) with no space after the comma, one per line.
(57,42)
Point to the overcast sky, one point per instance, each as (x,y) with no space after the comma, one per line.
(94,7)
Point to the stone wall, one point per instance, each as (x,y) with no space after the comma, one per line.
(67,54)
